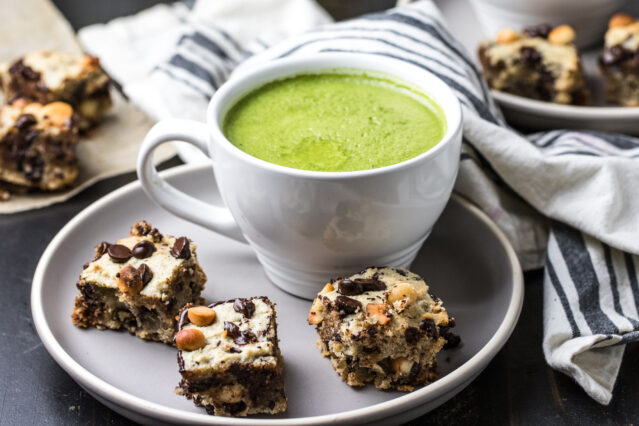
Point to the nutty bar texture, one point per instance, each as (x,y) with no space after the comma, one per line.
(232,365)
(38,146)
(139,284)
(540,63)
(382,326)
(619,62)
(46,76)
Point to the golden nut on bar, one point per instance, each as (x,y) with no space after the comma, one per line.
(57,113)
(563,34)
(378,310)
(507,35)
(201,315)
(402,291)
(315,315)
(620,20)
(401,365)
(130,281)
(327,288)
(190,339)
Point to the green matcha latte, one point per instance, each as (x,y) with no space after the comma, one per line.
(335,121)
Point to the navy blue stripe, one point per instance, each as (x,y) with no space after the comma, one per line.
(550,140)
(193,68)
(409,20)
(554,281)
(389,31)
(396,46)
(206,43)
(163,69)
(478,105)
(582,272)
(593,154)
(618,140)
(632,277)
(613,285)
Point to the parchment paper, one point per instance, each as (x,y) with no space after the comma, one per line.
(111,148)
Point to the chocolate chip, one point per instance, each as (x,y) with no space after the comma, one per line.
(234,350)
(244,306)
(346,305)
(146,273)
(100,249)
(412,335)
(245,337)
(350,288)
(372,284)
(232,329)
(452,340)
(541,30)
(359,286)
(428,325)
(400,272)
(239,337)
(234,407)
(181,249)
(24,121)
(143,249)
(119,253)
(530,56)
(614,55)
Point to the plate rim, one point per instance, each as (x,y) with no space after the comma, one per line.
(148,409)
(564,111)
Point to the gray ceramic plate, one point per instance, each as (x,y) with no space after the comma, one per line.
(466,260)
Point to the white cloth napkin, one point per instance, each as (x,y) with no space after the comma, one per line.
(567,200)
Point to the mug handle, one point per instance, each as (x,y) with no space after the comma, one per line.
(215,218)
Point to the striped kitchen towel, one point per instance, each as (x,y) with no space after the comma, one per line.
(568,200)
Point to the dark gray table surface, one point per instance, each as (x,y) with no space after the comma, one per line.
(516,388)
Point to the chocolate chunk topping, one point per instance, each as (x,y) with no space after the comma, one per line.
(412,335)
(100,249)
(143,249)
(541,30)
(119,253)
(181,249)
(400,272)
(239,337)
(234,350)
(530,56)
(614,55)
(244,306)
(234,407)
(452,340)
(26,72)
(146,273)
(346,305)
(232,329)
(359,286)
(24,121)
(428,325)
(350,288)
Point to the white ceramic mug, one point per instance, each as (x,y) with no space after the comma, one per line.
(309,226)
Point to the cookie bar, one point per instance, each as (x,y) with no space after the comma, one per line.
(38,146)
(540,63)
(139,284)
(45,76)
(619,61)
(382,326)
(229,357)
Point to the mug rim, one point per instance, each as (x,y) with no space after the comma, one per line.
(223,99)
